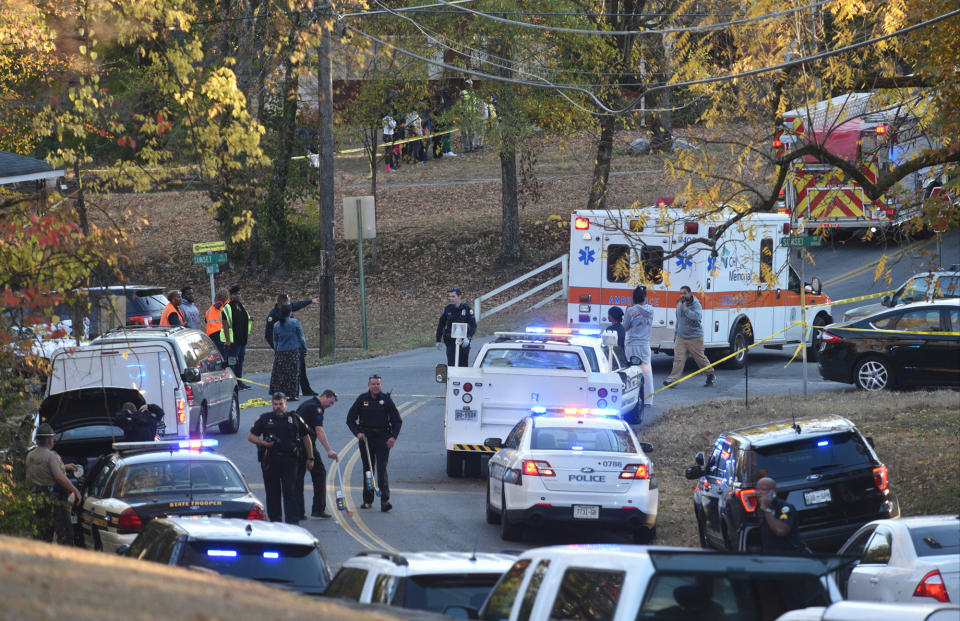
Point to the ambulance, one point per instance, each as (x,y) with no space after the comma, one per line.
(611,252)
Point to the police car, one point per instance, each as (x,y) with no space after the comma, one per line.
(140,481)
(575,466)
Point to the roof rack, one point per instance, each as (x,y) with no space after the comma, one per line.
(397,559)
(135,328)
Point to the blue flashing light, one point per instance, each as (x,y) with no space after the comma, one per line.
(602,403)
(532,330)
(606,412)
(576,448)
(823,442)
(271,555)
(199,444)
(539,409)
(589,331)
(222,553)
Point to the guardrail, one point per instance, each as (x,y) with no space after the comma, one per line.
(562,278)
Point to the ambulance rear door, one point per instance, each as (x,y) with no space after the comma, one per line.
(585,271)
(650,267)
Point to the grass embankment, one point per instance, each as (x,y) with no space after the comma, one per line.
(917,435)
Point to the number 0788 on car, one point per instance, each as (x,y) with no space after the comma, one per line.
(568,466)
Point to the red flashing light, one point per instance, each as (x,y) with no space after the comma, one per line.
(932,586)
(691,228)
(663,202)
(635,471)
(581,224)
(537,468)
(786,225)
(881,130)
(181,411)
(880,477)
(777,144)
(467,387)
(561,331)
(189,395)
(256,513)
(144,320)
(748,498)
(129,520)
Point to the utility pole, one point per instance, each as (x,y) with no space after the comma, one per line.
(325,182)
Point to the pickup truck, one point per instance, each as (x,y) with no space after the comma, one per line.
(537,371)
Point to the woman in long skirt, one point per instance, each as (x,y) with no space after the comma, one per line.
(289,342)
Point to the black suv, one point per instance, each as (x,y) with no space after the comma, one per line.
(823,466)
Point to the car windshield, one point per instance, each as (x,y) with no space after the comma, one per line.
(921,288)
(435,592)
(196,477)
(812,455)
(268,562)
(582,439)
(936,540)
(532,358)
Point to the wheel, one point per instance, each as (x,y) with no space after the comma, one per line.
(643,535)
(509,531)
(740,340)
(492,516)
(232,424)
(701,533)
(872,374)
(454,464)
(635,415)
(471,465)
(813,352)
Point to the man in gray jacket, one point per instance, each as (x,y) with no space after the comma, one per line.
(689,337)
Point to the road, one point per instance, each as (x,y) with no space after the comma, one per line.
(432,512)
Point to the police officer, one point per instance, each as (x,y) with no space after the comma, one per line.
(778,521)
(456,312)
(311,411)
(46,475)
(374,420)
(281,437)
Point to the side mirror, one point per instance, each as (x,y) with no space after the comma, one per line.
(699,459)
(635,361)
(816,285)
(870,442)
(461,612)
(886,300)
(693,473)
(122,550)
(778,293)
(646,447)
(441,374)
(494,443)
(191,375)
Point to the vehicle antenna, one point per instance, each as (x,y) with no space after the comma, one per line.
(793,416)
(473,556)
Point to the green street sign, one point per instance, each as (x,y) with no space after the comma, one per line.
(800,241)
(210,258)
(213,269)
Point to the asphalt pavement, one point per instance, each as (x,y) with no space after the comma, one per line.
(433,512)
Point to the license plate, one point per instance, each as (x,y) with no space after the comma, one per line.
(586,512)
(465,415)
(816,497)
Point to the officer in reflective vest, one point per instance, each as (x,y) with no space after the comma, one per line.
(214,322)
(172,316)
(236,329)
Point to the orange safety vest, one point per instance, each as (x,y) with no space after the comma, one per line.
(214,323)
(165,316)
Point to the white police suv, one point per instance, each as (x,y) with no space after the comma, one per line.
(572,465)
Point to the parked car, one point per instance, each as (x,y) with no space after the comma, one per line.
(921,287)
(433,581)
(177,368)
(823,466)
(574,468)
(914,559)
(279,554)
(874,611)
(139,481)
(912,345)
(628,583)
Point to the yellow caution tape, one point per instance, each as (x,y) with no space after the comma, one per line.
(250,381)
(859,298)
(256,402)
(383,144)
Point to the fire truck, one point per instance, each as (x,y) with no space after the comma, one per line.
(860,128)
(747,287)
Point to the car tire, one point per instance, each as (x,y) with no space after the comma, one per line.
(232,424)
(492,516)
(509,531)
(635,415)
(454,464)
(872,374)
(813,352)
(739,340)
(472,465)
(644,535)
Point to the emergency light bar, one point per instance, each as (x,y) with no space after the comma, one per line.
(198,444)
(541,410)
(222,553)
(166,445)
(580,331)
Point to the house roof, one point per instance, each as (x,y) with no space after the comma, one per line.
(17,168)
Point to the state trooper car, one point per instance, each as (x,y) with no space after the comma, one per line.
(572,465)
(140,481)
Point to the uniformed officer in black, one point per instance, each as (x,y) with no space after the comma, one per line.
(373,418)
(456,312)
(778,521)
(311,412)
(281,437)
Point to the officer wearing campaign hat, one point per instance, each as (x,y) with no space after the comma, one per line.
(46,475)
(457,311)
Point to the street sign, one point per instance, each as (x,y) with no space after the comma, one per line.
(209,258)
(209,247)
(800,241)
(213,269)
